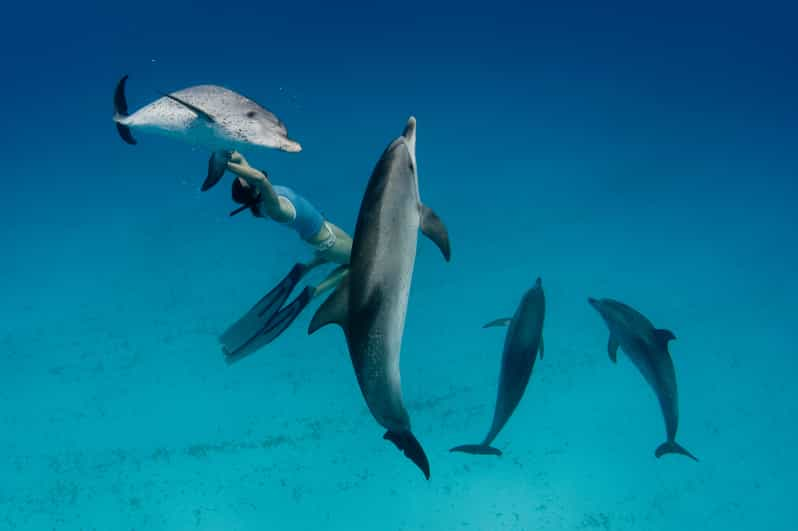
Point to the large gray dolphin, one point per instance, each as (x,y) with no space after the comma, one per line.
(647,347)
(205,115)
(370,304)
(522,343)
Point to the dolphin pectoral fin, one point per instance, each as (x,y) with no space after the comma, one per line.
(411,448)
(672,447)
(120,112)
(540,349)
(477,449)
(612,348)
(434,229)
(663,336)
(504,321)
(193,108)
(334,309)
(217,165)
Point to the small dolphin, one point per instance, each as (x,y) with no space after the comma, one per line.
(206,115)
(522,343)
(647,347)
(370,304)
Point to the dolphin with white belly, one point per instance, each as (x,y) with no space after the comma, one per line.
(210,116)
(370,304)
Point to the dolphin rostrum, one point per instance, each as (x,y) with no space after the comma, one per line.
(647,347)
(522,343)
(206,115)
(370,304)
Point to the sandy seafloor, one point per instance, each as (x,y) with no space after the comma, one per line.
(117,410)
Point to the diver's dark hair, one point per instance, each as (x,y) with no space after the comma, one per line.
(245,195)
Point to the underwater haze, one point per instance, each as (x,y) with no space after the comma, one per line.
(643,153)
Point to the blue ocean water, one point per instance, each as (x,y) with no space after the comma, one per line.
(647,154)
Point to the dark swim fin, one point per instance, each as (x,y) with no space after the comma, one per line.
(273,328)
(410,446)
(120,111)
(217,165)
(477,449)
(253,322)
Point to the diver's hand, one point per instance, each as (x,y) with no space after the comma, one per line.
(238,158)
(239,165)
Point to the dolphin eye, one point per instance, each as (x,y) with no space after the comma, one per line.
(251,114)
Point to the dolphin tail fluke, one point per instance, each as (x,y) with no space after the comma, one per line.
(120,112)
(477,449)
(217,165)
(124,132)
(410,446)
(672,447)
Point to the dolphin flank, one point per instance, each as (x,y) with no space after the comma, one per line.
(370,304)
(210,116)
(523,342)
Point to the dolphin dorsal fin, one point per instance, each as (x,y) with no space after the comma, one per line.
(334,309)
(434,229)
(663,336)
(199,112)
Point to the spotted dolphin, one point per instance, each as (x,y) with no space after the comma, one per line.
(370,304)
(523,342)
(210,116)
(647,347)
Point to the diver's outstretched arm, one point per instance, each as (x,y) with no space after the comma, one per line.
(276,209)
